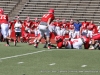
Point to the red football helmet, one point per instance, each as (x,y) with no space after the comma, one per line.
(51,11)
(1,11)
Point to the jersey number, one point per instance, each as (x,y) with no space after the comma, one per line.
(2,17)
(46,15)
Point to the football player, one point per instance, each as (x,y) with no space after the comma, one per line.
(5,27)
(43,27)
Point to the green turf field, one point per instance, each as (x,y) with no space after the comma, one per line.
(26,60)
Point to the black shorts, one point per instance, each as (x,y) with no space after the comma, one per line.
(18,34)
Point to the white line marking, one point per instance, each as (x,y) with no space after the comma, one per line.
(20,62)
(22,55)
(25,54)
(83,65)
(52,64)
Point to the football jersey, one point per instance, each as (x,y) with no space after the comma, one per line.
(27,24)
(35,25)
(86,42)
(77,43)
(46,17)
(3,19)
(90,26)
(71,27)
(84,25)
(24,34)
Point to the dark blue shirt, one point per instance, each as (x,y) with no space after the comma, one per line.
(77,26)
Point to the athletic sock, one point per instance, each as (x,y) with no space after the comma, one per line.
(7,41)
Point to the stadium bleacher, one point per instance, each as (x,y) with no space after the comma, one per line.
(76,9)
(8,5)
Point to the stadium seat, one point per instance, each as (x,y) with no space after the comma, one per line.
(8,5)
(77,9)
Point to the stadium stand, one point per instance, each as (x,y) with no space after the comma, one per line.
(19,6)
(76,9)
(8,5)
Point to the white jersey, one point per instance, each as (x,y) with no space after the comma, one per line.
(76,44)
(17,27)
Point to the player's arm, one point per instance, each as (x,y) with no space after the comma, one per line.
(49,21)
(93,30)
(81,30)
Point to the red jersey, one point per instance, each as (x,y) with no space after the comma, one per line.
(90,26)
(96,36)
(24,34)
(71,26)
(84,25)
(64,25)
(59,24)
(46,17)
(10,24)
(59,40)
(3,19)
(86,42)
(35,25)
(27,24)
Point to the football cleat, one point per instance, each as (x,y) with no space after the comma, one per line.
(45,46)
(7,45)
(49,47)
(91,48)
(36,45)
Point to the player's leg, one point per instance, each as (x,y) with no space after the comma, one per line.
(39,38)
(18,36)
(75,34)
(4,31)
(45,45)
(9,32)
(47,33)
(88,33)
(91,34)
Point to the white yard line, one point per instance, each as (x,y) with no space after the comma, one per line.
(24,54)
(83,65)
(52,64)
(27,54)
(20,62)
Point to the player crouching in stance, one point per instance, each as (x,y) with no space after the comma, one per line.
(5,27)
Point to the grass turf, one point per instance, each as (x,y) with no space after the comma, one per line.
(27,60)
